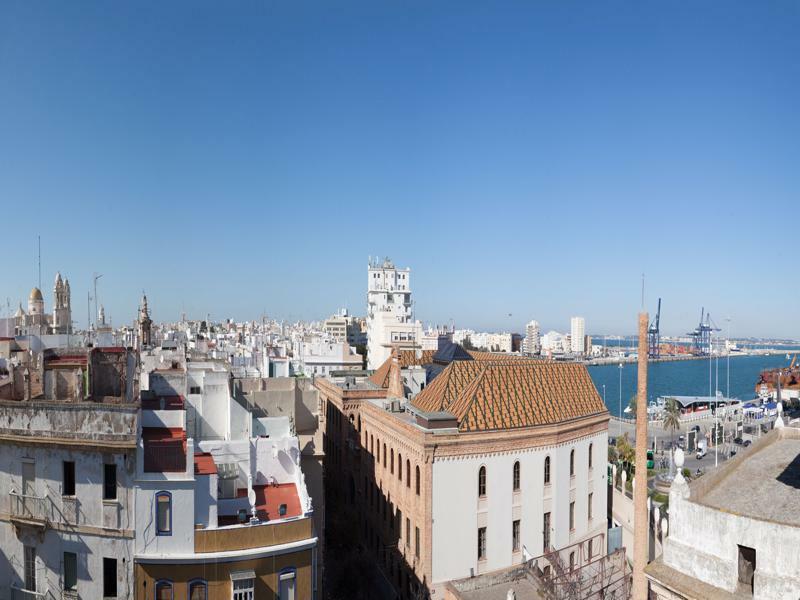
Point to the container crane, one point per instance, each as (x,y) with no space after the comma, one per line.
(701,336)
(654,335)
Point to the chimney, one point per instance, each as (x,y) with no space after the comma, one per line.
(395,383)
(641,520)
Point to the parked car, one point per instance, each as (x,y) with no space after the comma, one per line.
(746,443)
(696,428)
(738,441)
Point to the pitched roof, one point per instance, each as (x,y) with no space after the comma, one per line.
(495,356)
(489,395)
(408,358)
(450,352)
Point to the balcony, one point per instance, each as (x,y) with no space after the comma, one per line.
(32,511)
(18,593)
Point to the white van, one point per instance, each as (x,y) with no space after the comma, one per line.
(702,448)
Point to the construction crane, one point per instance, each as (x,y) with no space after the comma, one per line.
(701,336)
(654,335)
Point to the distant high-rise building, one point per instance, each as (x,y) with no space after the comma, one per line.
(577,333)
(389,315)
(532,344)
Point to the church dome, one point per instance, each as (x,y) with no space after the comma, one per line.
(36,294)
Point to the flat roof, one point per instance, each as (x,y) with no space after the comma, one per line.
(764,485)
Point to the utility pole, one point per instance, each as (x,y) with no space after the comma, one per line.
(96,277)
(641,521)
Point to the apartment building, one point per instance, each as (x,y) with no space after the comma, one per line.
(67,450)
(495,461)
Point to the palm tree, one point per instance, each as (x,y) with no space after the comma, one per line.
(672,418)
(625,451)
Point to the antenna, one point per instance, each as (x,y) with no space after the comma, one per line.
(642,291)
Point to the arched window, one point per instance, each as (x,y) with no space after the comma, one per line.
(417,480)
(198,589)
(400,467)
(515,476)
(163,589)
(572,463)
(408,473)
(546,470)
(359,423)
(591,447)
(482,481)
(391,462)
(163,513)
(371,444)
(384,456)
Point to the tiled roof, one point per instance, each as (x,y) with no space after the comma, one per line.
(450,352)
(495,356)
(408,358)
(204,464)
(506,394)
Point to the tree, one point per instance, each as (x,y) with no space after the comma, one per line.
(625,451)
(672,417)
(632,406)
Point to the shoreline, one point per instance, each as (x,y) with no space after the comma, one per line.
(606,362)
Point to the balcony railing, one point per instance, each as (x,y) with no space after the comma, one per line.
(29,508)
(18,593)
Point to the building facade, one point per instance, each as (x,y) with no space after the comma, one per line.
(532,344)
(390,316)
(505,456)
(577,335)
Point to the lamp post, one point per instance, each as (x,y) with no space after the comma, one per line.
(620,399)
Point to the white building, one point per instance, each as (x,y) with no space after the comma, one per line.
(577,335)
(532,344)
(733,533)
(319,357)
(554,342)
(390,318)
(66,459)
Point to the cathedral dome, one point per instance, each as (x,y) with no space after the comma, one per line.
(36,294)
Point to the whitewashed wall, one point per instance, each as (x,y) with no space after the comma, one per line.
(457,511)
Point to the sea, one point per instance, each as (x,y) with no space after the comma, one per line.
(735,378)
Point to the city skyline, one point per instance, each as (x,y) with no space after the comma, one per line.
(520,161)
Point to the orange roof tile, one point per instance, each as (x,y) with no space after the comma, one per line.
(507,394)
(408,358)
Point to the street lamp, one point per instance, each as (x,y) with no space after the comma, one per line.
(620,398)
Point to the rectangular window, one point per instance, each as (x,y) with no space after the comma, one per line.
(244,589)
(194,389)
(590,549)
(70,571)
(590,506)
(416,542)
(515,536)
(30,568)
(408,532)
(163,513)
(109,577)
(69,479)
(110,482)
(287,587)
(571,516)
(546,531)
(481,543)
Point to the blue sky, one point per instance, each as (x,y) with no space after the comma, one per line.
(524,158)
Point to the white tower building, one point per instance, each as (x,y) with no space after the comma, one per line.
(389,315)
(532,344)
(577,334)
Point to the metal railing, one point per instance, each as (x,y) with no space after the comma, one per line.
(24,506)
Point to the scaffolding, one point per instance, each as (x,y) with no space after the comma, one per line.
(606,577)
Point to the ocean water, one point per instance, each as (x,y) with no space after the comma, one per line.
(685,378)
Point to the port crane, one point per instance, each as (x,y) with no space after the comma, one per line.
(654,335)
(701,336)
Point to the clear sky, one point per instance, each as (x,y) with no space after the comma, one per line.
(530,159)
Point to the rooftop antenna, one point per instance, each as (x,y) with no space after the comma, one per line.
(39,241)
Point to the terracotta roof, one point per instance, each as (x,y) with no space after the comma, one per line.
(408,358)
(204,464)
(268,503)
(495,356)
(489,395)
